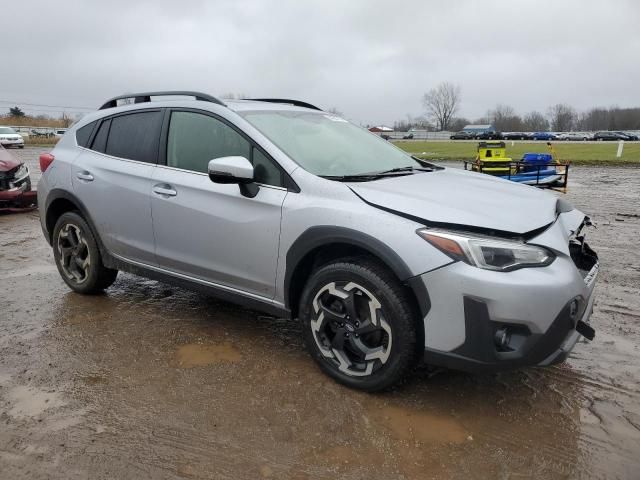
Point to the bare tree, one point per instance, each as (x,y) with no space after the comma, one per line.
(66,120)
(335,111)
(505,119)
(442,103)
(562,117)
(458,123)
(535,122)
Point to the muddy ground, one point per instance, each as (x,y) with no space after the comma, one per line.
(151,381)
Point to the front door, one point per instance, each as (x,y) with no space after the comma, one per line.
(211,231)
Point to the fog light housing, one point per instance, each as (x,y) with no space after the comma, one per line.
(576,309)
(501,338)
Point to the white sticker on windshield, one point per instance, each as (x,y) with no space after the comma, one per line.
(333,118)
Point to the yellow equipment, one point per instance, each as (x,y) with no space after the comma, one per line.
(492,159)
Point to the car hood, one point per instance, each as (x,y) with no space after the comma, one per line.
(7,162)
(461,198)
(10,135)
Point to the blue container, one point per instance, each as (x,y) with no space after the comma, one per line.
(537,158)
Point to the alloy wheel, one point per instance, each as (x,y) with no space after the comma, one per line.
(75,260)
(350,329)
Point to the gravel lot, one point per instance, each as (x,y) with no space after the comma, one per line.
(151,381)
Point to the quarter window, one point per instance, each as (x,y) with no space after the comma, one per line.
(83,134)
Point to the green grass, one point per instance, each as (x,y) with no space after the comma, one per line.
(602,153)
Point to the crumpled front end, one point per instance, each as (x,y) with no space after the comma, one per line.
(491,320)
(15,190)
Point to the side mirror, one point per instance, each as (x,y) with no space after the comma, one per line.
(238,170)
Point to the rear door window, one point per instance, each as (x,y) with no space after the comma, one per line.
(134,136)
(100,140)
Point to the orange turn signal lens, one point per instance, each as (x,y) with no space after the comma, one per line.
(445,244)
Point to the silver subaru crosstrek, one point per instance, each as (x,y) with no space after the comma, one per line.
(277,205)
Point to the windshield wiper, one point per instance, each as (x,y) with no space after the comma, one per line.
(365,177)
(404,169)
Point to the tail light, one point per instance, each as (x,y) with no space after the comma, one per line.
(46,159)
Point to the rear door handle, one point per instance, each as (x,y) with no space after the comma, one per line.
(164,190)
(84,175)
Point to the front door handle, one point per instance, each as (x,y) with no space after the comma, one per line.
(164,190)
(84,175)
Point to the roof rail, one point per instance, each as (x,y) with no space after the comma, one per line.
(296,103)
(146,97)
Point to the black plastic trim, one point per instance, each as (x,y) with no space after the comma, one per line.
(321,235)
(287,101)
(219,293)
(56,194)
(479,353)
(146,97)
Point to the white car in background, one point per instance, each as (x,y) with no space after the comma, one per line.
(10,138)
(574,136)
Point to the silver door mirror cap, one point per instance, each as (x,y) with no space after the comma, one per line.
(234,169)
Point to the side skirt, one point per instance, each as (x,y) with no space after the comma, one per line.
(197,285)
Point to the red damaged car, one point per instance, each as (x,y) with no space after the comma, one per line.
(15,184)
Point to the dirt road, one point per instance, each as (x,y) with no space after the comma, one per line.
(151,381)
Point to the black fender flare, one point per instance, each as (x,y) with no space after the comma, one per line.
(57,194)
(321,235)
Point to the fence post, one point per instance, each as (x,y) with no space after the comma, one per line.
(620,148)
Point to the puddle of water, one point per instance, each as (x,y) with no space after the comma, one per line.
(195,355)
(32,402)
(413,425)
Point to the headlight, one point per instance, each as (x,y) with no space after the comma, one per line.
(21,172)
(487,253)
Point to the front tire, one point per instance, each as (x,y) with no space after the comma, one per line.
(77,256)
(359,324)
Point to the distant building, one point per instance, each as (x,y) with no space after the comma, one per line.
(479,128)
(381,129)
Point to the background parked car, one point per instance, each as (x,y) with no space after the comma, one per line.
(629,137)
(408,136)
(608,136)
(489,136)
(42,132)
(10,138)
(543,136)
(515,136)
(573,136)
(463,136)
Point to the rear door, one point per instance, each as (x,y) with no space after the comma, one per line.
(211,231)
(112,178)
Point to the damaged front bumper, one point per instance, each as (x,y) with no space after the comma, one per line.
(15,190)
(492,321)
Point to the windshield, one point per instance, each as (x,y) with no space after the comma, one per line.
(7,130)
(327,145)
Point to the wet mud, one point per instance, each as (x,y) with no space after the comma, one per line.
(151,381)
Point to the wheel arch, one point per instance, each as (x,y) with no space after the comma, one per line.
(321,244)
(60,202)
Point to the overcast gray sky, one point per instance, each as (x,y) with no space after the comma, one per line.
(373,60)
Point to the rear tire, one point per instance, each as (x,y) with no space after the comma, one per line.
(359,324)
(77,256)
